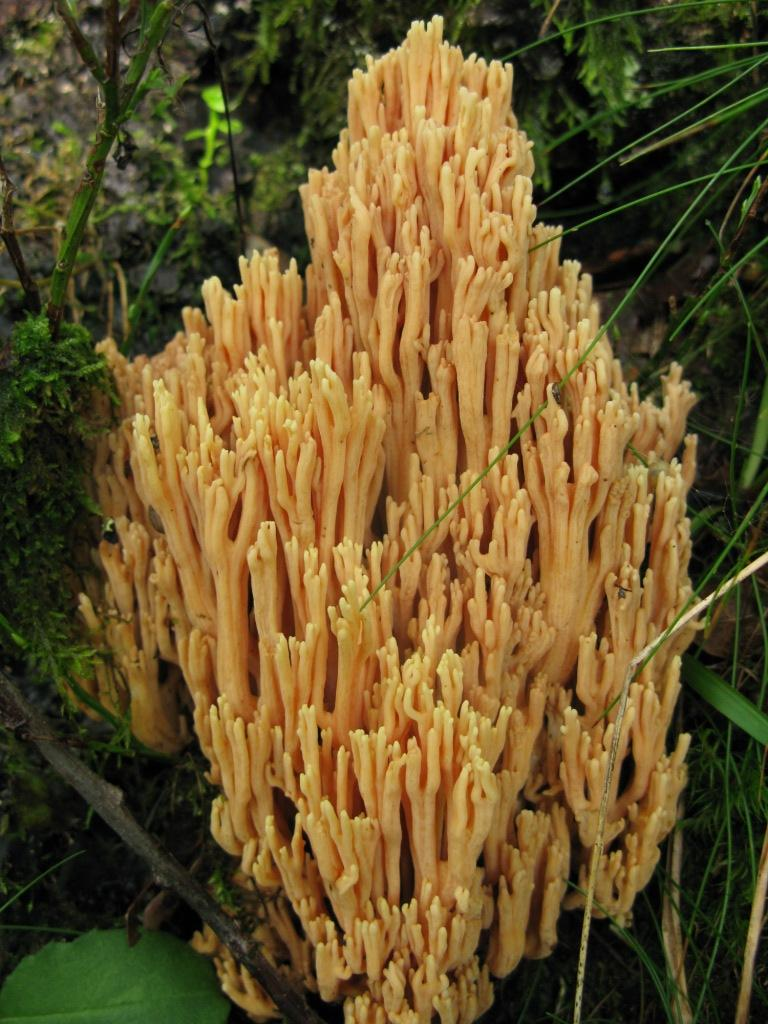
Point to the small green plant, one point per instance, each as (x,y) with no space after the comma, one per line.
(215,134)
(196,191)
(159,980)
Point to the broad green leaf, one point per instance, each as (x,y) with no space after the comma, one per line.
(725,699)
(99,979)
(213,98)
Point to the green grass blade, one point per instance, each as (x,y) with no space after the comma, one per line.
(725,699)
(635,202)
(617,16)
(135,309)
(40,877)
(759,443)
(710,293)
(719,117)
(658,129)
(653,91)
(684,81)
(704,46)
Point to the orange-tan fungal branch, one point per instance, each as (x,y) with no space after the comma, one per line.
(412,781)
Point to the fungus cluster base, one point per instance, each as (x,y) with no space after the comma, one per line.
(410,751)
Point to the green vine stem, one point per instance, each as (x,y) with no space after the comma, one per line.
(118,105)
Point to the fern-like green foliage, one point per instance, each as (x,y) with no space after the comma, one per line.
(53,398)
(608,59)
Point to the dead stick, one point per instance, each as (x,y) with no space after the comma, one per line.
(108,802)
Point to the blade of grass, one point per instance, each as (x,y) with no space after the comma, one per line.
(762,618)
(635,202)
(760,437)
(735,109)
(703,889)
(746,367)
(659,128)
(637,947)
(728,884)
(725,699)
(671,930)
(40,877)
(730,774)
(120,725)
(617,16)
(653,91)
(713,290)
(685,81)
(135,309)
(759,444)
(705,46)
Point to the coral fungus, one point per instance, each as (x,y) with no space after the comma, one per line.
(411,751)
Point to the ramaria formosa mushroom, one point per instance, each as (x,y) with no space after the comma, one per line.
(411,754)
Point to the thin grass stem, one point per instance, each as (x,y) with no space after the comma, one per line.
(735,109)
(654,91)
(618,16)
(40,877)
(655,131)
(632,203)
(705,46)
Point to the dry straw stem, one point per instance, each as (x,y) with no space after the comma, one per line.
(674,945)
(756,918)
(639,660)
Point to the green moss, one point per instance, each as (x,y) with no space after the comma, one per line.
(276,177)
(53,398)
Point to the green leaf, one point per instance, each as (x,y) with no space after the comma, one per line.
(235,126)
(725,699)
(158,79)
(98,977)
(213,98)
(746,206)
